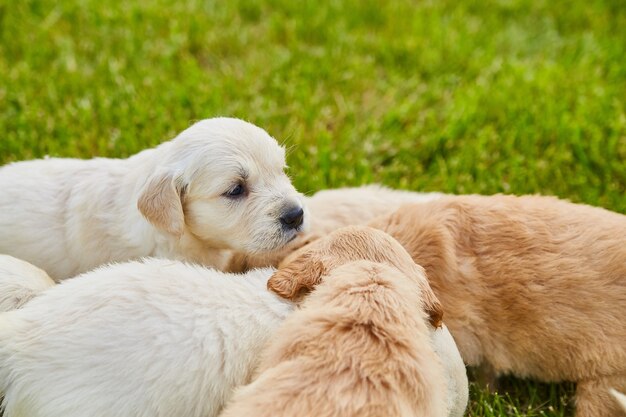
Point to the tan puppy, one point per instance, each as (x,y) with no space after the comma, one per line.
(329,210)
(304,269)
(358,347)
(532,286)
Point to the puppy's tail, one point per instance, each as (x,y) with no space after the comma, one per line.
(19,282)
(621,398)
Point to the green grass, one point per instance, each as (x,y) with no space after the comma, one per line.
(482,96)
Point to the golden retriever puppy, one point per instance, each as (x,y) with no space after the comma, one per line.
(156,338)
(532,286)
(19,282)
(304,269)
(358,347)
(329,210)
(218,185)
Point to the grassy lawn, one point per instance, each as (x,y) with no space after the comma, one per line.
(482,96)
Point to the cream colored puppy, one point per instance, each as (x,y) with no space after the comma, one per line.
(157,338)
(218,185)
(19,282)
(329,210)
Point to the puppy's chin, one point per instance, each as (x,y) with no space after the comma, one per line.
(270,243)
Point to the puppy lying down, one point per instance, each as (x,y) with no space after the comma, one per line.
(362,343)
(532,286)
(219,185)
(153,338)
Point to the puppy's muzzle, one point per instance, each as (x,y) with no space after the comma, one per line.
(292,218)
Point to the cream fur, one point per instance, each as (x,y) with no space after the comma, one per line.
(620,398)
(531,286)
(329,210)
(152,338)
(19,282)
(68,216)
(457,387)
(359,346)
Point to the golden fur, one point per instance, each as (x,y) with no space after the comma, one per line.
(304,269)
(358,347)
(532,286)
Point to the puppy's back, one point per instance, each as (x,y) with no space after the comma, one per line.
(152,338)
(358,347)
(521,270)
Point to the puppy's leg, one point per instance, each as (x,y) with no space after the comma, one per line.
(594,399)
(486,376)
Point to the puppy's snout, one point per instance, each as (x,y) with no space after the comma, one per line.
(292,218)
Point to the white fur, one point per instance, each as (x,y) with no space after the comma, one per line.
(19,282)
(68,216)
(454,369)
(152,338)
(620,398)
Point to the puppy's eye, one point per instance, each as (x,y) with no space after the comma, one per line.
(239,190)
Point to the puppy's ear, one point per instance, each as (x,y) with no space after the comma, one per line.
(160,201)
(297,277)
(433,307)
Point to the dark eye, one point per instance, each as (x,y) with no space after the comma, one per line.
(237,191)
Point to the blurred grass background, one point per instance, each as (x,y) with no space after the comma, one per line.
(512,96)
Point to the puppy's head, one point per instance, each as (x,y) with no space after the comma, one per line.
(222,180)
(304,269)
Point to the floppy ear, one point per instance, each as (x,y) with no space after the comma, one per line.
(298,276)
(160,201)
(432,306)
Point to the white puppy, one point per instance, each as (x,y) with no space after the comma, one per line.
(153,338)
(19,282)
(150,339)
(218,185)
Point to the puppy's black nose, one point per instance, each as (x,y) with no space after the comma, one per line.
(292,218)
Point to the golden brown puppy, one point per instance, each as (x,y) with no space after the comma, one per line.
(532,286)
(358,347)
(304,269)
